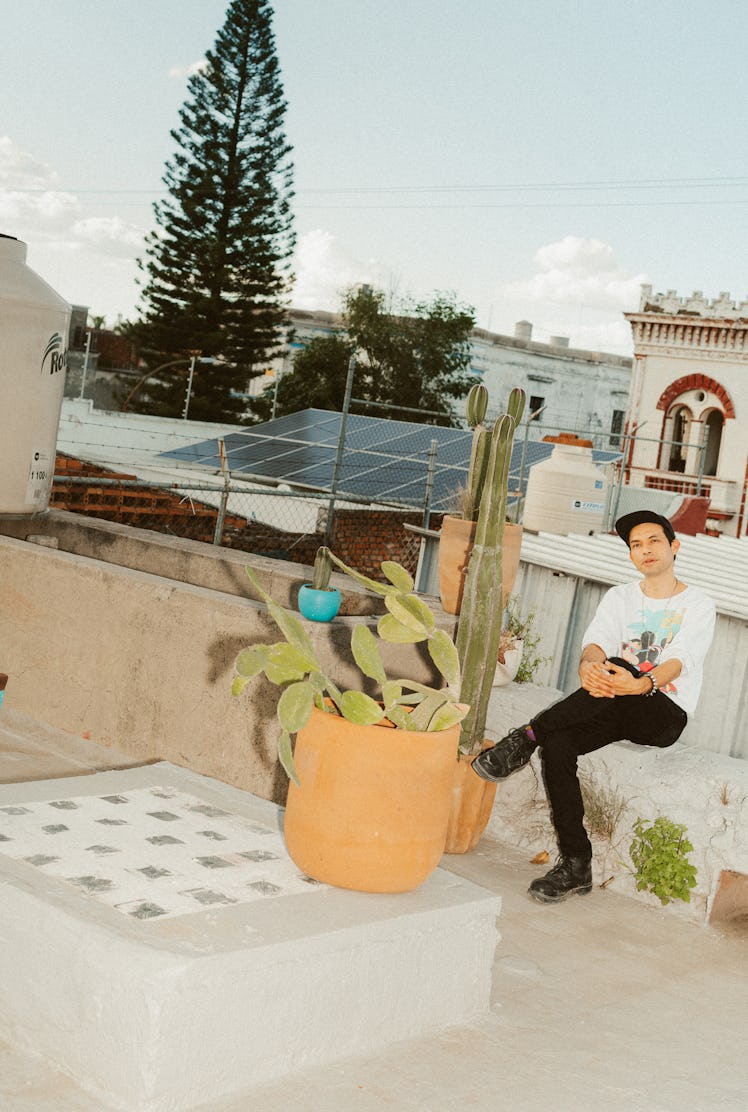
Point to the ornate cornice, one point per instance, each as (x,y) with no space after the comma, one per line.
(665,333)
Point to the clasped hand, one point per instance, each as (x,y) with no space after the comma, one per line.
(605,680)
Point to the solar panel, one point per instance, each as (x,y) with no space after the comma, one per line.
(383,461)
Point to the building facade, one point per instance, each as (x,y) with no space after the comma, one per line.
(689,401)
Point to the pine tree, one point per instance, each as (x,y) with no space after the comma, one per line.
(218,264)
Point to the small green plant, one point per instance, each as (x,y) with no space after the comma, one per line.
(322,569)
(659,853)
(521,629)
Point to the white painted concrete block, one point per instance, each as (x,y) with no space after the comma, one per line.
(166,1011)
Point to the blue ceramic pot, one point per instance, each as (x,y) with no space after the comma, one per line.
(319,606)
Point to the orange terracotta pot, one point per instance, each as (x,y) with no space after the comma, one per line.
(373,807)
(472,801)
(455,545)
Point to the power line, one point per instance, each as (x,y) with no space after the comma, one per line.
(527,205)
(622,183)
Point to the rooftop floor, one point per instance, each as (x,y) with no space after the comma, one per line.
(599,1003)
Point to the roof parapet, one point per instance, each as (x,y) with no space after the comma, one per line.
(695,305)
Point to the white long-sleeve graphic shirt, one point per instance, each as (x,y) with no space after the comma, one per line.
(648,631)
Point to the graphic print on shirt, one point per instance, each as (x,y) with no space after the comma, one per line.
(651,633)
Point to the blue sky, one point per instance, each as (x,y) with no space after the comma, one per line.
(540,158)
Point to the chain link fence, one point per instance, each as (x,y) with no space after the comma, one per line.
(278,524)
(351,482)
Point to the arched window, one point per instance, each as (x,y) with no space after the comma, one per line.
(680,425)
(713,423)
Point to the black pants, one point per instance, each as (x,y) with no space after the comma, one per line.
(581,724)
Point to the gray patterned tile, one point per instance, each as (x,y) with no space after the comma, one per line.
(265,887)
(142,909)
(258,855)
(207,810)
(207,896)
(91,883)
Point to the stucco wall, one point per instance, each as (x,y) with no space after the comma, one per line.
(144,662)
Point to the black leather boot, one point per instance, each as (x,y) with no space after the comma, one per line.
(506,756)
(568,875)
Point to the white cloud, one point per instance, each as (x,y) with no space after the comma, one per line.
(87,259)
(110,234)
(178,72)
(579,290)
(28,194)
(20,170)
(323,272)
(579,271)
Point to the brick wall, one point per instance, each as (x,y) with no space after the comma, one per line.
(364,538)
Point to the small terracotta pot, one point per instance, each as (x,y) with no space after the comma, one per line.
(472,801)
(373,807)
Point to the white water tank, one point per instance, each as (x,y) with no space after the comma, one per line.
(566,493)
(34,324)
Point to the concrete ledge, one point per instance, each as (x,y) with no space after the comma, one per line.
(160,1014)
(181,559)
(143,663)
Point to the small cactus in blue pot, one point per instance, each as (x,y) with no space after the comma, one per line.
(318,601)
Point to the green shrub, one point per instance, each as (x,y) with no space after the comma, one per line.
(522,629)
(659,853)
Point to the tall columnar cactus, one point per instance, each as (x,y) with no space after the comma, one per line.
(481,615)
(475,411)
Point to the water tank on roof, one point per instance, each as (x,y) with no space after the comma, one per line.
(34,324)
(566,493)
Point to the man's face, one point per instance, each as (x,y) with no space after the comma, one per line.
(649,549)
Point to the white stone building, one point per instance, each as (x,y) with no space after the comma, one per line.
(689,401)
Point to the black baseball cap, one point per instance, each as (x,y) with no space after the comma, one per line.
(625,524)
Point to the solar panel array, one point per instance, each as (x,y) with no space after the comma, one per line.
(383,461)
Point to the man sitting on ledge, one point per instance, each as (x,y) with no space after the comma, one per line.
(641,671)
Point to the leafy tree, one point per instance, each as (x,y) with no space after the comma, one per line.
(317,380)
(217,266)
(415,356)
